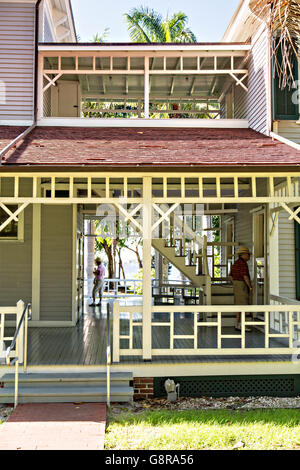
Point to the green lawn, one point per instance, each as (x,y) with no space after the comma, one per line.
(211,429)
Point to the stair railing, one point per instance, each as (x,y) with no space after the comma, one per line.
(108,356)
(23,322)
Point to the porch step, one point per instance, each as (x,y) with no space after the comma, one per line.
(67,387)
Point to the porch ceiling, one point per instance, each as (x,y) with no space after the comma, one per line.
(148,147)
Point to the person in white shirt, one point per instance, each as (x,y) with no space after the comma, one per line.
(99,273)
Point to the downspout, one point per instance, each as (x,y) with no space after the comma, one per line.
(29,129)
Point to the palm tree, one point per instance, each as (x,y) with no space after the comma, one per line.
(102,37)
(146,25)
(283,22)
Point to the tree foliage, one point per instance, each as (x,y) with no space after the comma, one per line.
(147,25)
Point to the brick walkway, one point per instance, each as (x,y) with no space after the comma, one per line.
(55,426)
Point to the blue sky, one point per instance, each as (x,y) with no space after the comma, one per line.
(208,20)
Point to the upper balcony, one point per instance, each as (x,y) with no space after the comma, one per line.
(193,85)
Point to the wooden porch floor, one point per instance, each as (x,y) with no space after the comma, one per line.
(85,344)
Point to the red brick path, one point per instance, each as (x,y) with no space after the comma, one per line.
(55,426)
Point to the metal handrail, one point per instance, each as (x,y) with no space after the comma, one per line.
(108,356)
(23,318)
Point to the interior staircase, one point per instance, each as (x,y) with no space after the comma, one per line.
(169,252)
(83,387)
(221,294)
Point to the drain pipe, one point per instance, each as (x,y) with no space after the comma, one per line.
(22,136)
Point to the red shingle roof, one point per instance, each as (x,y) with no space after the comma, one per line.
(52,146)
(9,133)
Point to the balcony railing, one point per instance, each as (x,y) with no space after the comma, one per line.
(207,330)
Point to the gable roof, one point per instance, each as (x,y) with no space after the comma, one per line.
(148,147)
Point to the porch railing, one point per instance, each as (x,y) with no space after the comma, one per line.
(16,352)
(120,288)
(10,317)
(204,330)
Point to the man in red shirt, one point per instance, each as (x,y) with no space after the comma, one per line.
(240,278)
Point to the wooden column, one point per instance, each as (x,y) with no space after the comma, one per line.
(74,266)
(146,89)
(147,294)
(20,339)
(36,261)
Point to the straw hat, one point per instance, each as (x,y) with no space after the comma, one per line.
(243,250)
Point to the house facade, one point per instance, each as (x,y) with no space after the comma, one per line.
(178,144)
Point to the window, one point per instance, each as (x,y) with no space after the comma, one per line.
(283,106)
(14,229)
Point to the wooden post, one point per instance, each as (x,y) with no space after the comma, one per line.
(36,261)
(146,89)
(20,339)
(147,297)
(116,332)
(75,299)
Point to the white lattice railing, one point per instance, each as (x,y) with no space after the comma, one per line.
(280,319)
(10,316)
(194,330)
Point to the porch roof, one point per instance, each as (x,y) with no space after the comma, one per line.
(9,133)
(147,147)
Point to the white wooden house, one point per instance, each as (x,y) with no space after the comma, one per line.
(172,137)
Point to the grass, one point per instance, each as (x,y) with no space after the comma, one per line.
(208,429)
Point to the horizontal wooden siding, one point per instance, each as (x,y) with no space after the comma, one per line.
(17,39)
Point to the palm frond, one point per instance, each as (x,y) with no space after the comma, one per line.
(178,21)
(283,20)
(187,36)
(144,25)
(101,37)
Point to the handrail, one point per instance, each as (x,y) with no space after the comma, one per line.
(284,300)
(108,356)
(13,343)
(23,318)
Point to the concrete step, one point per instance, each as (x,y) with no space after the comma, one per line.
(67,394)
(85,378)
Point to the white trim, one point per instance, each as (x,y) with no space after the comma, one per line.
(55,26)
(161,369)
(48,14)
(238,22)
(285,141)
(133,47)
(70,18)
(19,1)
(16,123)
(161,123)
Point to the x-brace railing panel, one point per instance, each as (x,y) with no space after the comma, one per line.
(12,215)
(293,214)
